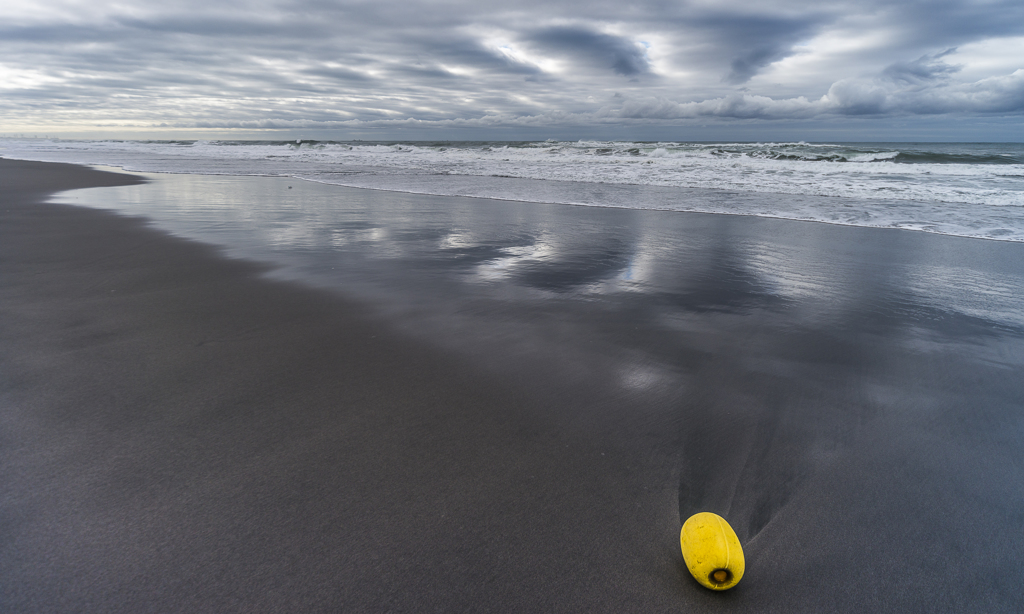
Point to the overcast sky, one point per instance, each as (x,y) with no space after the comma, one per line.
(489,69)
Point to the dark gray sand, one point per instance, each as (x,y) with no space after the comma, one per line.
(181,434)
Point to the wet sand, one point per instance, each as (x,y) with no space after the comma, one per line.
(182,434)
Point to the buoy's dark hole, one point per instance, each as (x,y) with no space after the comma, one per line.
(720,576)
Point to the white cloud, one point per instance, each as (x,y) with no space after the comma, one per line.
(476,63)
(882,95)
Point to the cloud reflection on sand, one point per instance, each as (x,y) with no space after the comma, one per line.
(818,373)
(445,255)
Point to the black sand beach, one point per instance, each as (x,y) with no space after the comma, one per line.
(180,433)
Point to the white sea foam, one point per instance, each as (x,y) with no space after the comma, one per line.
(966,190)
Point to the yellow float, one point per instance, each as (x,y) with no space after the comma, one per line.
(712,551)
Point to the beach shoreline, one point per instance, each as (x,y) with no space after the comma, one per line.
(181,433)
(948,189)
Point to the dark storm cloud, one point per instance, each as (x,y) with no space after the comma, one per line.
(924,69)
(462,63)
(621,55)
(759,41)
(947,23)
(744,68)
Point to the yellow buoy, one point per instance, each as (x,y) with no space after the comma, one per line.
(712,551)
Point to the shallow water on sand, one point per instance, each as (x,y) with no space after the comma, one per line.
(855,393)
(958,189)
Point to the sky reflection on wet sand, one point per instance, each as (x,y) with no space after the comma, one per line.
(829,376)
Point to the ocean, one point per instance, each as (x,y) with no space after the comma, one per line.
(960,189)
